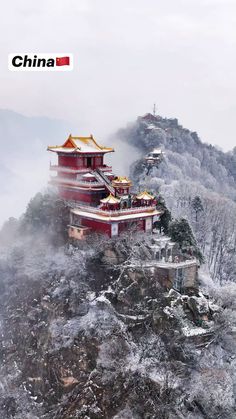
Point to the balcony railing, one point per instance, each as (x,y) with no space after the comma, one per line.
(66,181)
(66,169)
(115,213)
(163,264)
(166,264)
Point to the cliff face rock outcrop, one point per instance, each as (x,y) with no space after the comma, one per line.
(85,339)
(182,275)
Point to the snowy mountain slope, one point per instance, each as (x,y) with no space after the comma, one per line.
(191,169)
(83,339)
(185,155)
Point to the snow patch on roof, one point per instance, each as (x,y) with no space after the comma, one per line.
(194,331)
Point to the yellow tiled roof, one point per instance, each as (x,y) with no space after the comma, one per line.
(144,195)
(110,199)
(121,180)
(81,145)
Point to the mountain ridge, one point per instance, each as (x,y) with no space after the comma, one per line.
(152,131)
(84,338)
(190,170)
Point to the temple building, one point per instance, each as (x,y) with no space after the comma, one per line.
(155,156)
(100,201)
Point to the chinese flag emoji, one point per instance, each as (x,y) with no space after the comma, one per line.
(63,61)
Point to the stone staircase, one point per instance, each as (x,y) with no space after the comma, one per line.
(102,178)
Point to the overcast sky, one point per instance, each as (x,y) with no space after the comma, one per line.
(129,54)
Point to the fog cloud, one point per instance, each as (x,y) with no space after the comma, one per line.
(128,55)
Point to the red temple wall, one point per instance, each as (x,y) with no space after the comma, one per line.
(66,175)
(98,161)
(96,225)
(80,162)
(68,161)
(75,196)
(87,198)
(105,228)
(138,224)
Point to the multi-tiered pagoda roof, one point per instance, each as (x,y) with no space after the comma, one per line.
(100,200)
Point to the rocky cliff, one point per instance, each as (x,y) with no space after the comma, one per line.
(85,339)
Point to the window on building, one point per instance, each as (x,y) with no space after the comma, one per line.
(98,161)
(178,282)
(89,161)
(80,162)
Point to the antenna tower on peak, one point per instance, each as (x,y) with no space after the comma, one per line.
(154,109)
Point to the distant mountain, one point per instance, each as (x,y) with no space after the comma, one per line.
(23,159)
(22,135)
(197,181)
(186,155)
(91,331)
(85,338)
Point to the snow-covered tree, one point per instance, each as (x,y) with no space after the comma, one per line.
(197,206)
(181,233)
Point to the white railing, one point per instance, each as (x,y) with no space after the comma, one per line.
(77,170)
(126,211)
(162,264)
(59,180)
(166,264)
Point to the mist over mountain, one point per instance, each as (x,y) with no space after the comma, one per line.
(186,156)
(23,135)
(83,336)
(190,171)
(23,160)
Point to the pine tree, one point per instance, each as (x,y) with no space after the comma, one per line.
(197,206)
(181,233)
(46,212)
(165,218)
